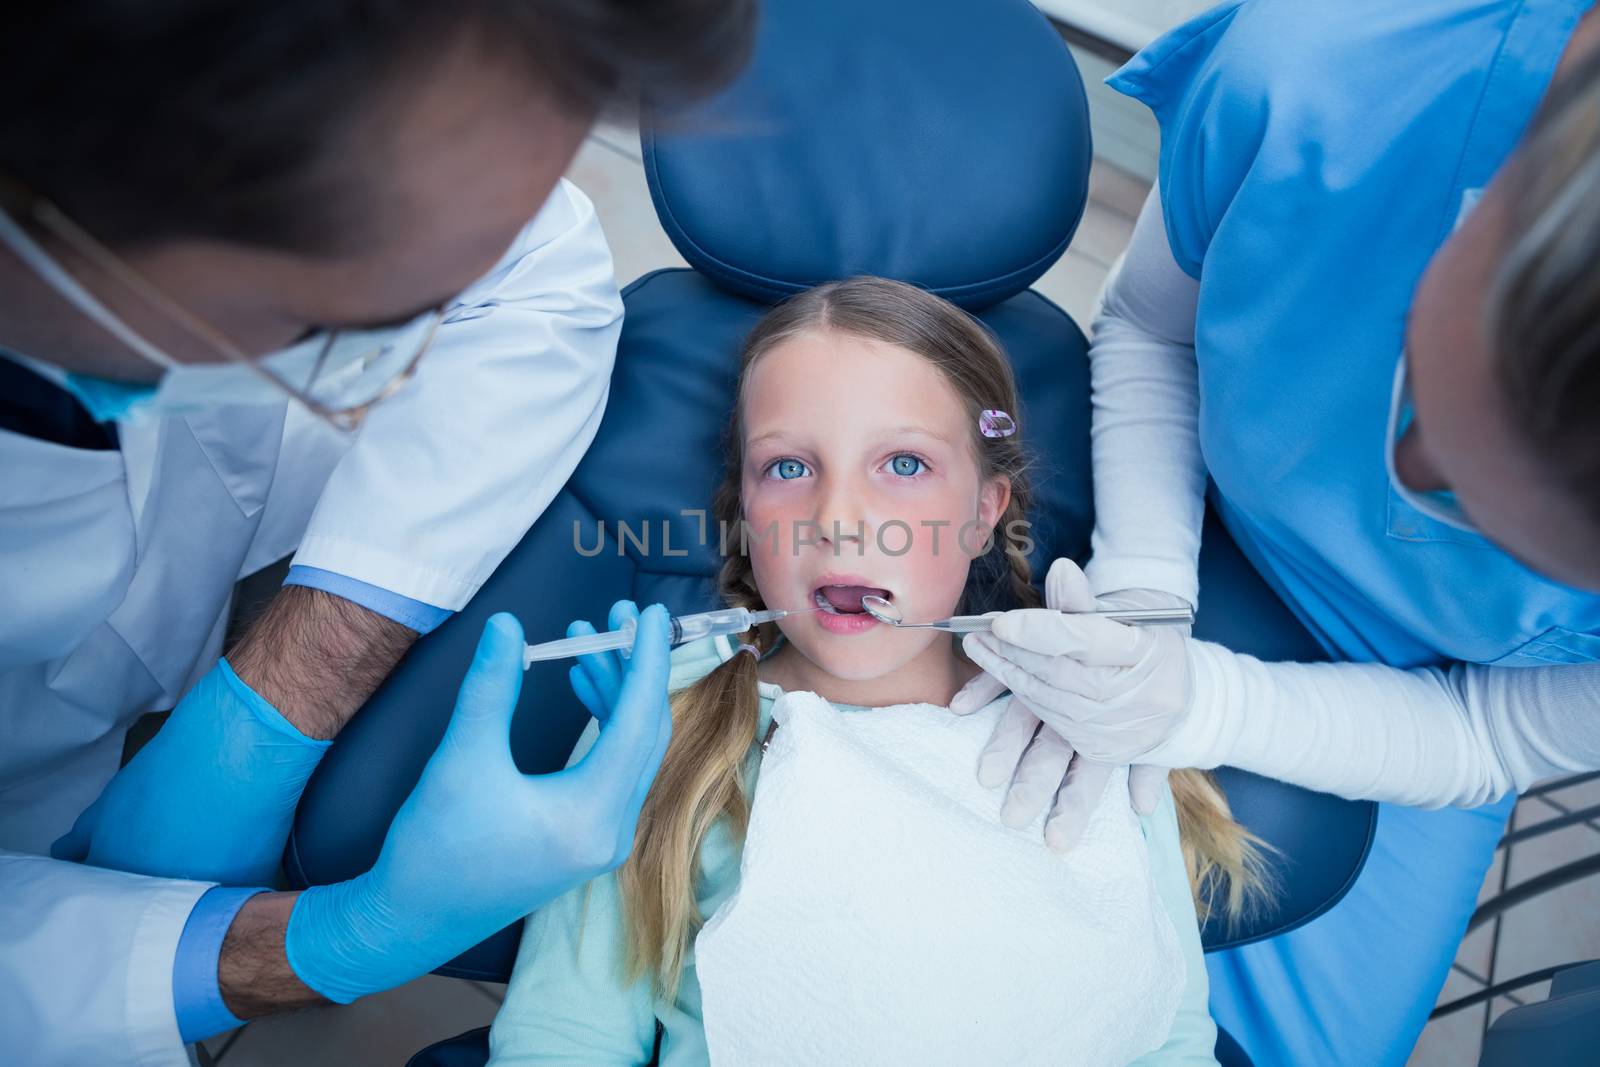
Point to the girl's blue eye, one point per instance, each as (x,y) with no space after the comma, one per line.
(788,469)
(907,465)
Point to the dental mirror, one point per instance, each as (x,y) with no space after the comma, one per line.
(881,610)
(887,613)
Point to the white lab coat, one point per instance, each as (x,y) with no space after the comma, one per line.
(116,569)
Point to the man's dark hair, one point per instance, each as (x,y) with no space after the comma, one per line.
(149,119)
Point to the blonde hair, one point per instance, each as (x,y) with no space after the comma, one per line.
(1542,301)
(714,720)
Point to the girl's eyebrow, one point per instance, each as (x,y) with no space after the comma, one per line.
(770,435)
(893,431)
(922,430)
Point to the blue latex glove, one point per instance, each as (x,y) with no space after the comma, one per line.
(478,844)
(597,677)
(210,797)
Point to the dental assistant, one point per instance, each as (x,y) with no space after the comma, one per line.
(1364,299)
(268,281)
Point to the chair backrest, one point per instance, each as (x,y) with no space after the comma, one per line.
(942,142)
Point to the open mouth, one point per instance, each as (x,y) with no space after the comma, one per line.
(846,599)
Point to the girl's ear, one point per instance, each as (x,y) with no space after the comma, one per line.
(993,499)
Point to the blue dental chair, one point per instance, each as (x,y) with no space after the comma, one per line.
(942,142)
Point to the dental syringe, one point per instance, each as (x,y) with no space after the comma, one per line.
(684,628)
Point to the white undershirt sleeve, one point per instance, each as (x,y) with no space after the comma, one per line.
(1149,478)
(1462,735)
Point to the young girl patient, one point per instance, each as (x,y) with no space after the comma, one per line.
(868,907)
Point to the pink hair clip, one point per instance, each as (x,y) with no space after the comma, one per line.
(995,423)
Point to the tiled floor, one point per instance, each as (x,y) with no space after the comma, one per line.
(1558,928)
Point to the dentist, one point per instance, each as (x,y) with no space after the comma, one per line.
(1364,299)
(267,280)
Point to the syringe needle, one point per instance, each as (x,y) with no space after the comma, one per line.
(774,614)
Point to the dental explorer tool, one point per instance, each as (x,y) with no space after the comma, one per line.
(887,613)
(684,628)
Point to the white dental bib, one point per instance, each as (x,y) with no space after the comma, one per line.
(885,916)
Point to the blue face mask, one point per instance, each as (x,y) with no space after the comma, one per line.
(106,400)
(1438,504)
(351,368)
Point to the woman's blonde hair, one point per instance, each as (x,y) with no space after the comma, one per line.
(1543,304)
(714,720)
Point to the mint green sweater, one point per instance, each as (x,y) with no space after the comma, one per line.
(568,1003)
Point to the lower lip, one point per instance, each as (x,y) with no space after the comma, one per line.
(846,624)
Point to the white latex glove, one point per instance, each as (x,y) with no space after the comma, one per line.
(1106,693)
(1037,764)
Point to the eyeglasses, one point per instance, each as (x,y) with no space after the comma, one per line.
(353,370)
(338,375)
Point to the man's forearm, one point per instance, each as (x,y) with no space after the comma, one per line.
(253,971)
(317,657)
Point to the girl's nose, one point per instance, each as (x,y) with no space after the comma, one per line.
(840,515)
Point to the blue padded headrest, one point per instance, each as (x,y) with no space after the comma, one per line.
(958,159)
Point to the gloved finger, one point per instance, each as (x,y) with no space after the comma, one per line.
(1038,778)
(74,844)
(1080,794)
(657,754)
(1058,672)
(602,670)
(1115,730)
(627,750)
(607,666)
(1090,639)
(1066,588)
(1146,783)
(997,764)
(488,696)
(622,613)
(583,688)
(977,693)
(628,826)
(983,650)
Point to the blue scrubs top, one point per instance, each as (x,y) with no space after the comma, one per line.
(1314,157)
